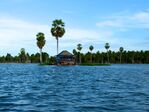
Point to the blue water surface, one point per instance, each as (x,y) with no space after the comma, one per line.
(34,88)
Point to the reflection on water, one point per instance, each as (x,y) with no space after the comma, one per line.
(117,88)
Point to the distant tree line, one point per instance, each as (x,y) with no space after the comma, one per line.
(114,57)
(120,56)
(24,57)
(58,30)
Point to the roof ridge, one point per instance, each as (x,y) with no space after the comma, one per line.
(65,52)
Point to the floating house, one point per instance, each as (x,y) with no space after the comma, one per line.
(65,58)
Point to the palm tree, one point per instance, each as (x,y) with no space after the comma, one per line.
(75,54)
(91,48)
(74,51)
(121,51)
(40,43)
(58,30)
(79,48)
(107,46)
(22,55)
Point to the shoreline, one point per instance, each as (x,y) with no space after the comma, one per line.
(83,64)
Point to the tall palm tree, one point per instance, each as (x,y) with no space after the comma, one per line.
(40,43)
(22,55)
(75,54)
(79,48)
(91,48)
(58,30)
(107,46)
(121,51)
(74,51)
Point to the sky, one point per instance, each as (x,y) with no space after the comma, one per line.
(89,22)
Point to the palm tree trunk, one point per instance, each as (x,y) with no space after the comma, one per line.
(57,45)
(102,59)
(80,57)
(121,58)
(108,56)
(91,58)
(40,55)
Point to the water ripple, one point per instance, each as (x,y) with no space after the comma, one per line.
(33,88)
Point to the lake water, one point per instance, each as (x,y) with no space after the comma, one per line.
(33,88)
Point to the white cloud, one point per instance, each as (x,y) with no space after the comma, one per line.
(141,16)
(79,34)
(136,20)
(16,34)
(110,23)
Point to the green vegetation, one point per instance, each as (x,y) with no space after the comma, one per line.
(58,31)
(40,43)
(85,59)
(79,48)
(130,57)
(121,51)
(91,48)
(94,64)
(107,46)
(23,56)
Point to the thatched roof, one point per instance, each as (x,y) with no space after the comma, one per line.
(65,53)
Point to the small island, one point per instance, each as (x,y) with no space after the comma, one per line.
(74,55)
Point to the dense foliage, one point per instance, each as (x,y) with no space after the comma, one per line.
(40,43)
(114,57)
(98,57)
(24,57)
(58,30)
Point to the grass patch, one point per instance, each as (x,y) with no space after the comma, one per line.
(42,64)
(82,64)
(94,64)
